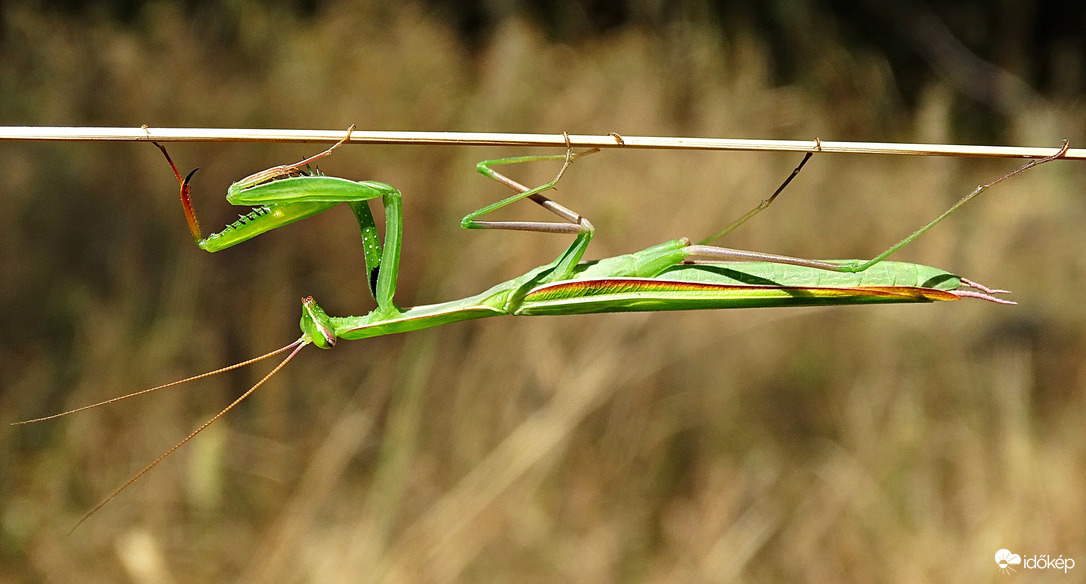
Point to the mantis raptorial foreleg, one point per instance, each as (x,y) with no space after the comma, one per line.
(291,192)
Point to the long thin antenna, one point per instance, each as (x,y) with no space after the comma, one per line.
(145,134)
(296,345)
(163,386)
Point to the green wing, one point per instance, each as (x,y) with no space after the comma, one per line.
(742,285)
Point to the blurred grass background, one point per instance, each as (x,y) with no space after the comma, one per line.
(892,444)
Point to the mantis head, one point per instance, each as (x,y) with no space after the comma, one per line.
(316,325)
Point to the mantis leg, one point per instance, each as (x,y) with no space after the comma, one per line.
(315,194)
(765,203)
(728,254)
(573,223)
(861,266)
(281,201)
(737,255)
(284,170)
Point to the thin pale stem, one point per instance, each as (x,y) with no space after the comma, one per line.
(136,134)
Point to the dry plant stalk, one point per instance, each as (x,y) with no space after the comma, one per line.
(613,140)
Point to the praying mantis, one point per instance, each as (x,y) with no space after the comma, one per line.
(675,275)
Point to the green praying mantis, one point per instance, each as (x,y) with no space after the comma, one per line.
(675,275)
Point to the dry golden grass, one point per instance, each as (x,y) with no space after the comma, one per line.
(894,444)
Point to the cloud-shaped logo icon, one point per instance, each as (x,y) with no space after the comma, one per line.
(1005,559)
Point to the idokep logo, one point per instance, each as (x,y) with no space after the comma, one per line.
(1005,560)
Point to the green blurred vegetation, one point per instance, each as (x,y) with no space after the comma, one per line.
(857,443)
